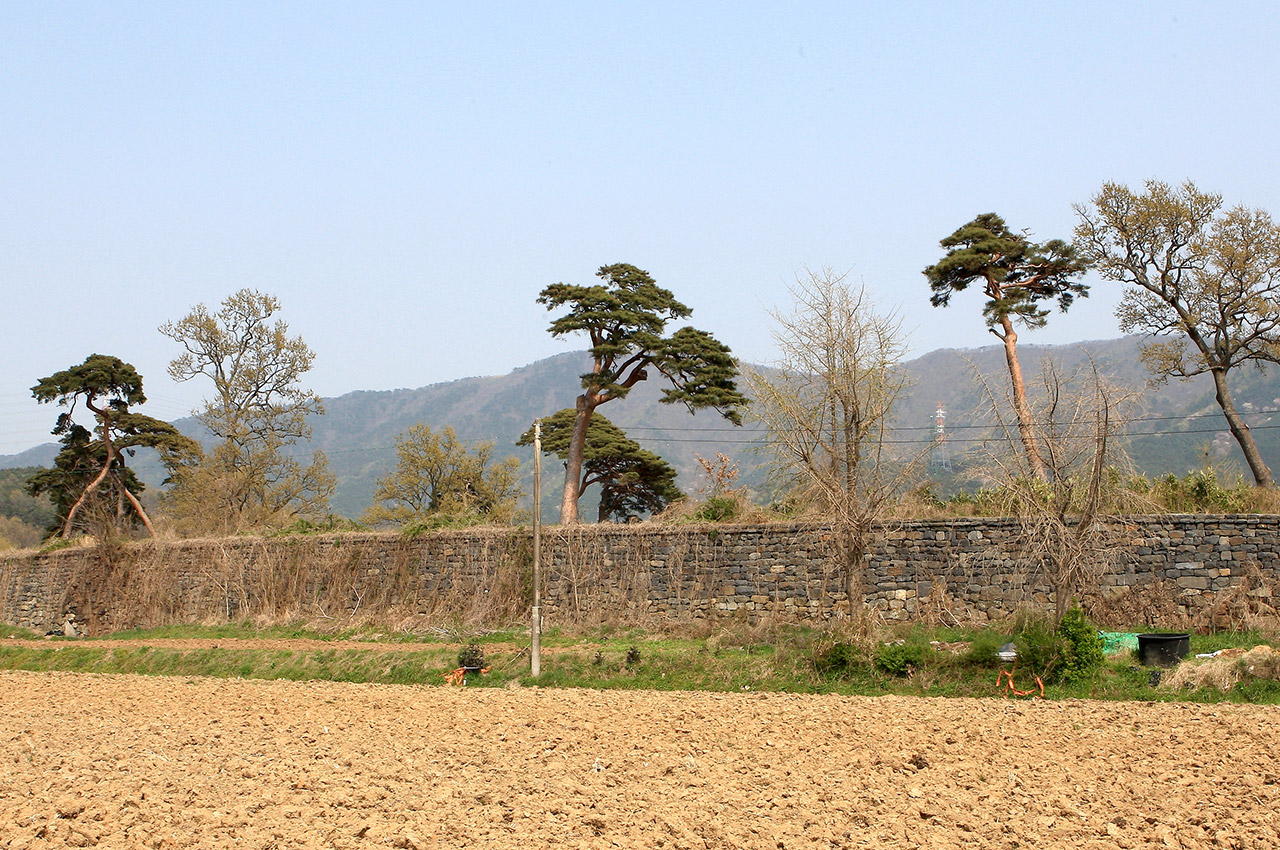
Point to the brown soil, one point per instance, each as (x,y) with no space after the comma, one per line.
(297,644)
(125,761)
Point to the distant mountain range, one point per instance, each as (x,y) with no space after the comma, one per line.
(358,429)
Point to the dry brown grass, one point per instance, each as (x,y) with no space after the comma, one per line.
(1251,604)
(1225,670)
(1154,605)
(371,580)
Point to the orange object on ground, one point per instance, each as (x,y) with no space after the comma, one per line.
(1006,677)
(459,676)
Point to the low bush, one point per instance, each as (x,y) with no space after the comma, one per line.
(1083,645)
(718,509)
(900,659)
(440,521)
(330,525)
(834,657)
(982,649)
(471,656)
(1041,650)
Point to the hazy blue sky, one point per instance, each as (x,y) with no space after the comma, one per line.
(407,176)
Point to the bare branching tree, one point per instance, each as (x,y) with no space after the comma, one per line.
(1064,518)
(826,405)
(258,412)
(1206,281)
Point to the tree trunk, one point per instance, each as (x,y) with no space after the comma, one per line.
(137,506)
(852,544)
(1064,574)
(1240,430)
(105,418)
(1026,428)
(573,463)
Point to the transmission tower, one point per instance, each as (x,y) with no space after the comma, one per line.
(941,456)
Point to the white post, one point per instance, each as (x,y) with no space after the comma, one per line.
(535,629)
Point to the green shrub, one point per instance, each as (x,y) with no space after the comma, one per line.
(330,525)
(718,509)
(1200,491)
(927,494)
(836,657)
(900,659)
(982,649)
(1041,650)
(439,521)
(1083,646)
(53,544)
(471,656)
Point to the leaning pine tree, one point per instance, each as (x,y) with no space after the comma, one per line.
(91,465)
(625,318)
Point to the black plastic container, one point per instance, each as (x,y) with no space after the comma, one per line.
(1163,650)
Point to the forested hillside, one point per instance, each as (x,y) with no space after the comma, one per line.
(1173,427)
(23,518)
(1176,427)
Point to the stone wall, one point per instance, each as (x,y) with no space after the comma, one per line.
(972,570)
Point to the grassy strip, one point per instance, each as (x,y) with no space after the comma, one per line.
(410,667)
(781,661)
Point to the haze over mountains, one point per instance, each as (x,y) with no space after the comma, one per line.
(1179,421)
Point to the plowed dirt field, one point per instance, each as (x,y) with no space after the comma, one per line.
(123,761)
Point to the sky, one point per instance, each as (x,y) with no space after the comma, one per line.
(406,177)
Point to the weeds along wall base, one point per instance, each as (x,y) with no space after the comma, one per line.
(1183,572)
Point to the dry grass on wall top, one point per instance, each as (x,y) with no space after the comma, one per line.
(338,582)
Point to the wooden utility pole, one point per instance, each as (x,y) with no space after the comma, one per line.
(535,627)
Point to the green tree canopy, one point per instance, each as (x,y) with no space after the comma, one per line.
(90,465)
(1018,276)
(632,480)
(625,318)
(439,476)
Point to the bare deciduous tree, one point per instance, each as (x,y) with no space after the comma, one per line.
(826,405)
(258,411)
(1208,278)
(1063,515)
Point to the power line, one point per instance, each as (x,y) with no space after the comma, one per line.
(764,440)
(980,426)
